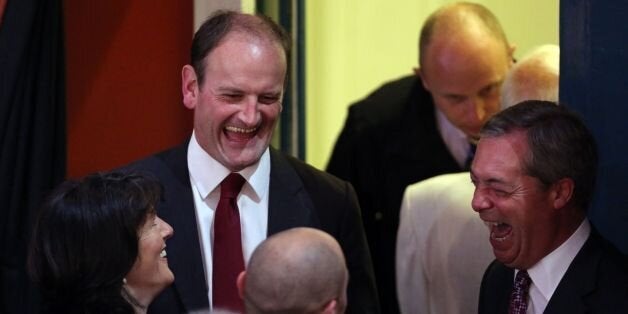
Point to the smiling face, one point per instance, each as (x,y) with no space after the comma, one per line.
(150,273)
(238,104)
(464,76)
(520,211)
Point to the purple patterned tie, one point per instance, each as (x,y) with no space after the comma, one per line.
(519,295)
(228,261)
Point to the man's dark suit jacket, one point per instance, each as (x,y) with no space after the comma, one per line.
(299,196)
(595,282)
(390,140)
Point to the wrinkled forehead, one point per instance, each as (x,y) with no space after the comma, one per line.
(509,150)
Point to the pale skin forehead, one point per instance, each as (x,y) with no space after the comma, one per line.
(499,159)
(255,44)
(460,28)
(470,46)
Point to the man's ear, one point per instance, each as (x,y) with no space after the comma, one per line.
(562,192)
(511,53)
(240,283)
(330,307)
(419,74)
(189,86)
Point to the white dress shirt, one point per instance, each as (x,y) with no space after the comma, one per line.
(547,273)
(456,141)
(442,247)
(206,174)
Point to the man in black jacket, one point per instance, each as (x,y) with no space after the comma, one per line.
(235,84)
(421,125)
(534,176)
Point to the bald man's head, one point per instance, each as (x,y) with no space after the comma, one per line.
(534,77)
(300,270)
(464,58)
(461,20)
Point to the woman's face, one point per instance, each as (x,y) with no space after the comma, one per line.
(150,273)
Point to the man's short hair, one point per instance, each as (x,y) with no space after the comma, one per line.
(560,145)
(221,23)
(534,77)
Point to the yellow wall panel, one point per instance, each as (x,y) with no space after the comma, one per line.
(353,46)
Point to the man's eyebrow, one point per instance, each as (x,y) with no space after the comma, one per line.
(489,181)
(227,89)
(452,95)
(493,84)
(272,93)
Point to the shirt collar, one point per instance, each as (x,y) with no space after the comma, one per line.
(207,173)
(455,140)
(548,272)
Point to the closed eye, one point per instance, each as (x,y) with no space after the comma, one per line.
(231,98)
(500,193)
(490,89)
(455,98)
(268,99)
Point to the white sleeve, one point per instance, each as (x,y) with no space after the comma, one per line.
(411,280)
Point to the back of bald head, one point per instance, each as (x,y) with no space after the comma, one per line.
(534,77)
(460,21)
(296,271)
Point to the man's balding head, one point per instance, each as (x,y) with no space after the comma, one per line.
(301,270)
(534,77)
(461,19)
(464,58)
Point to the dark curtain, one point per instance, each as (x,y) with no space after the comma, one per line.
(32,134)
(593,76)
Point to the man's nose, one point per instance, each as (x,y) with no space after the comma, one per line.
(249,113)
(480,109)
(477,108)
(480,201)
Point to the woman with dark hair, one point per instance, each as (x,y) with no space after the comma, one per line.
(99,247)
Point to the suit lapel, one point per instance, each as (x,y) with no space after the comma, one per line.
(578,281)
(184,253)
(504,284)
(289,204)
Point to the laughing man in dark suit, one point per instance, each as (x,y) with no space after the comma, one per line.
(534,173)
(235,84)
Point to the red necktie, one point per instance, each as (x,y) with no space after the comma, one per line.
(519,295)
(228,261)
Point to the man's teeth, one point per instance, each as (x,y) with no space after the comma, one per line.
(239,130)
(493,223)
(490,224)
(498,238)
(499,230)
(163,253)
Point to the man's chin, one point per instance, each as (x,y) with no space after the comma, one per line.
(237,162)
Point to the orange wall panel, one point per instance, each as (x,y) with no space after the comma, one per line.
(124,61)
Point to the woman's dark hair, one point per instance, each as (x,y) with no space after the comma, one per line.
(86,240)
